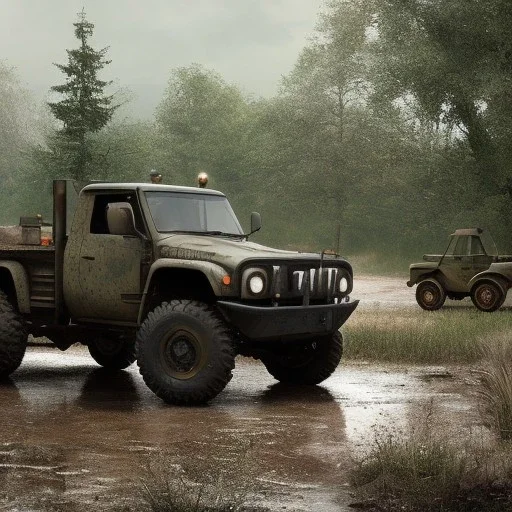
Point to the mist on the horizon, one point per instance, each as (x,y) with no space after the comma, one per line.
(250,43)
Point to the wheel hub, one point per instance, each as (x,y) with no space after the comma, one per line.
(428,297)
(182,354)
(486,296)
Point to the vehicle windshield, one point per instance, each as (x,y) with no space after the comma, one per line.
(189,212)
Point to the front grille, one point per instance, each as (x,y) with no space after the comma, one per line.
(312,283)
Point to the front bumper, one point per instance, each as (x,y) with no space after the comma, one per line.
(280,323)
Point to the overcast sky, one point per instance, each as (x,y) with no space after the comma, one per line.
(249,42)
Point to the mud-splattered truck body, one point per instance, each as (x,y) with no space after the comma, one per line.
(165,275)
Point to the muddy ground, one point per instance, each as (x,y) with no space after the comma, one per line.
(75,438)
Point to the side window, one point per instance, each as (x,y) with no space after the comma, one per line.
(461,247)
(99,223)
(476,246)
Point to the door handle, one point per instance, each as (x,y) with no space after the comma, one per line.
(90,258)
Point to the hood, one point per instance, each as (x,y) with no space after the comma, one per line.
(225,251)
(425,265)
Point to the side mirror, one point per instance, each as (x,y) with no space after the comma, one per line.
(255,222)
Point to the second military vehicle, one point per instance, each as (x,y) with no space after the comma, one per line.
(465,269)
(166,276)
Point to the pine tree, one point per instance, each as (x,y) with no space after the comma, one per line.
(85,108)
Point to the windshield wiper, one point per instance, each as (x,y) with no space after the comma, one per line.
(210,233)
(221,233)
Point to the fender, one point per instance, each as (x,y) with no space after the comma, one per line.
(21,284)
(214,273)
(500,273)
(421,270)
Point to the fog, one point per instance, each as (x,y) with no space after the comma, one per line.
(251,43)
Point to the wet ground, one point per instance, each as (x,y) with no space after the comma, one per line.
(75,438)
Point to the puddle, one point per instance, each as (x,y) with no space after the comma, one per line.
(87,437)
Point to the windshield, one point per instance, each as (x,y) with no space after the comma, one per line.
(198,213)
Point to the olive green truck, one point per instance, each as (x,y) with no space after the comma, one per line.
(165,275)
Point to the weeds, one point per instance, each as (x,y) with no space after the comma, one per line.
(424,472)
(414,336)
(202,486)
(496,379)
(174,493)
(411,472)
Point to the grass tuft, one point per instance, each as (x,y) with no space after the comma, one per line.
(201,485)
(420,337)
(496,379)
(428,474)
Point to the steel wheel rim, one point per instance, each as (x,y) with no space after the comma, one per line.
(429,297)
(487,296)
(182,354)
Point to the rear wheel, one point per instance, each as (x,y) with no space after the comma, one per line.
(487,296)
(13,337)
(113,353)
(185,352)
(430,295)
(309,362)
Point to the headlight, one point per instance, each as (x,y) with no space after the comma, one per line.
(343,285)
(256,284)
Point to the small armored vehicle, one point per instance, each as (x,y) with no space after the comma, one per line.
(465,269)
(166,276)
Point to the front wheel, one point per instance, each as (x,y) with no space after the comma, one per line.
(185,352)
(310,362)
(487,296)
(430,295)
(116,353)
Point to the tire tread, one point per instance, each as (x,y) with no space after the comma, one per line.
(225,357)
(13,337)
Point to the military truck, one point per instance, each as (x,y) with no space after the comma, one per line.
(166,276)
(465,269)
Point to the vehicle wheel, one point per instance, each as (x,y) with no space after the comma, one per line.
(116,353)
(13,337)
(487,296)
(430,295)
(307,363)
(185,352)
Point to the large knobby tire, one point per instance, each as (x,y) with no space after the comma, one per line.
(487,296)
(185,352)
(113,353)
(308,362)
(13,337)
(430,295)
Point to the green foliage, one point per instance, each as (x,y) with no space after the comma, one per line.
(451,63)
(394,124)
(22,126)
(85,109)
(202,122)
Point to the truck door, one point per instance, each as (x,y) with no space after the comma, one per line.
(111,258)
(456,264)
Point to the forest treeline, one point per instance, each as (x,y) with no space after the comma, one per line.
(395,124)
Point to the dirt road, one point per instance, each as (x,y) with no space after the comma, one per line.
(75,438)
(389,292)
